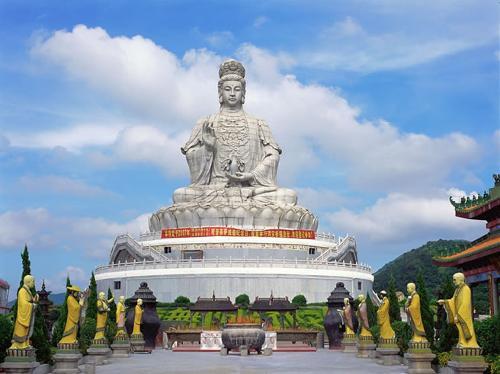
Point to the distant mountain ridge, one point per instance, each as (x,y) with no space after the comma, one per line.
(57,299)
(405,268)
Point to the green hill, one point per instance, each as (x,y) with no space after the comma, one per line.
(406,267)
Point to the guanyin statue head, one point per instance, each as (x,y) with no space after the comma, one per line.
(232,84)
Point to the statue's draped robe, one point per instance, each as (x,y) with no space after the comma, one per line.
(363,319)
(25,318)
(137,320)
(244,144)
(102,317)
(71,326)
(120,319)
(384,321)
(349,327)
(460,307)
(415,318)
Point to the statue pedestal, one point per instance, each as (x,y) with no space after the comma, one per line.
(20,361)
(349,343)
(388,352)
(419,358)
(137,343)
(467,360)
(121,347)
(99,351)
(66,359)
(366,347)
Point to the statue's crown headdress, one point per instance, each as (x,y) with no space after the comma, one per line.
(232,67)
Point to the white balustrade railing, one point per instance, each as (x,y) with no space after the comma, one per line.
(232,263)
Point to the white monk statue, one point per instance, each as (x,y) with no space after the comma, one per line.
(233,160)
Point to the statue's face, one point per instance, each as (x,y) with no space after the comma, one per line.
(139,301)
(122,299)
(29,282)
(410,288)
(458,279)
(101,295)
(232,92)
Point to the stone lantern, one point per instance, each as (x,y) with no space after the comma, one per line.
(150,320)
(333,318)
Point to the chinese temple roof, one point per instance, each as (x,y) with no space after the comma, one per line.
(213,304)
(483,207)
(279,304)
(4,284)
(487,247)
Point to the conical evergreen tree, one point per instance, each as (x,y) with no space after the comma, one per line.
(394,311)
(425,310)
(87,332)
(111,322)
(61,320)
(447,336)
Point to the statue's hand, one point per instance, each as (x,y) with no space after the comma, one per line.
(240,177)
(440,302)
(36,298)
(209,134)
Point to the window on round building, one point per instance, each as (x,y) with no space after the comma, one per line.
(118,285)
(312,251)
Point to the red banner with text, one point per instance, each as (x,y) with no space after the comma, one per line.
(192,232)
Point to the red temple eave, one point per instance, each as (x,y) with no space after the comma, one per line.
(481,212)
(490,247)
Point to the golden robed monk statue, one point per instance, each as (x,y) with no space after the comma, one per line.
(363,317)
(459,311)
(120,316)
(383,319)
(412,309)
(102,315)
(74,304)
(25,317)
(347,315)
(137,318)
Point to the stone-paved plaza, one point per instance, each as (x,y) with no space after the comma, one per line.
(322,361)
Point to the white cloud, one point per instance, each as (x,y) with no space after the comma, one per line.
(73,138)
(43,230)
(320,199)
(348,45)
(405,218)
(57,282)
(220,39)
(314,124)
(260,21)
(59,184)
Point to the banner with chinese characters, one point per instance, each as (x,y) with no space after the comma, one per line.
(229,231)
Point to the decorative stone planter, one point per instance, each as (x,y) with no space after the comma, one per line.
(388,352)
(467,360)
(66,359)
(20,361)
(366,347)
(419,358)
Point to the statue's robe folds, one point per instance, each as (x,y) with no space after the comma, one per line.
(415,318)
(71,326)
(241,139)
(347,316)
(137,320)
(363,319)
(384,321)
(102,317)
(120,319)
(25,319)
(460,307)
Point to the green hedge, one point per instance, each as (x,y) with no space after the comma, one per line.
(6,327)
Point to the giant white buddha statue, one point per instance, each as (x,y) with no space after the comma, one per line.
(233,160)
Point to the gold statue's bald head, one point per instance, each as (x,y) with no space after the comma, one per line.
(361,298)
(346,301)
(139,301)
(101,295)
(29,281)
(122,299)
(458,279)
(410,287)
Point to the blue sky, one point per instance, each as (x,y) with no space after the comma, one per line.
(383,109)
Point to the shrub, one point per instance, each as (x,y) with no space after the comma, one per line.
(494,362)
(242,300)
(375,330)
(403,333)
(488,335)
(61,319)
(5,335)
(182,300)
(87,333)
(394,312)
(443,358)
(299,300)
